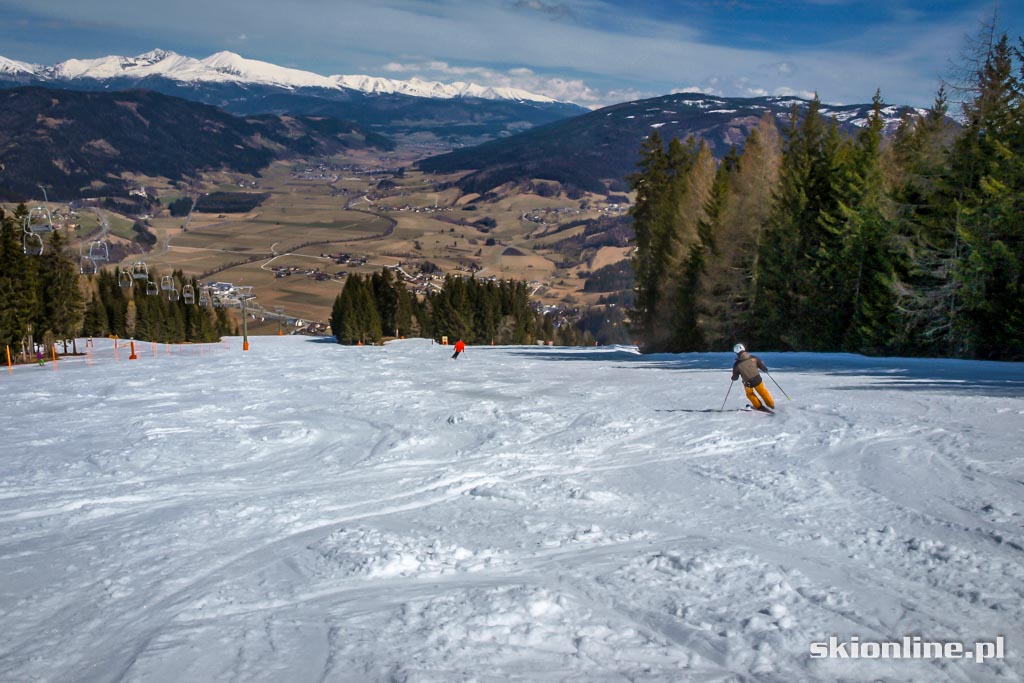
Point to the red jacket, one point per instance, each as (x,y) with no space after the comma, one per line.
(460,346)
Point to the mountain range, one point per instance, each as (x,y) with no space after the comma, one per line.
(597,150)
(228,67)
(497,136)
(430,115)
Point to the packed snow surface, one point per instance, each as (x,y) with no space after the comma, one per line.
(305,511)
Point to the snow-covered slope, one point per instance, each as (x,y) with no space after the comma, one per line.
(228,67)
(311,512)
(10,68)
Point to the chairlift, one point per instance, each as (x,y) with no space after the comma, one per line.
(204,297)
(172,294)
(87,266)
(32,244)
(188,294)
(167,283)
(124,278)
(38,221)
(99,252)
(151,288)
(140,271)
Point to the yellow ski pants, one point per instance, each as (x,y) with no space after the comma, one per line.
(761,389)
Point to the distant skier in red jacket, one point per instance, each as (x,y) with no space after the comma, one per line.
(460,346)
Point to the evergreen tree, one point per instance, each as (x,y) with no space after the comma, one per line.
(652,214)
(988,164)
(18,282)
(927,294)
(61,311)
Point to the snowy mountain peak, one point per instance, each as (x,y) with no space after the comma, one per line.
(264,73)
(10,67)
(230,67)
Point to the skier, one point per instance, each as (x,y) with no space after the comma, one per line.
(747,366)
(460,346)
(39,357)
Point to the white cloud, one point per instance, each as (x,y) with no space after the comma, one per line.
(793,92)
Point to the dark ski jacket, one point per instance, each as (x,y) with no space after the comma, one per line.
(747,366)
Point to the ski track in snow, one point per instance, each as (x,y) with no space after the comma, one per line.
(311,512)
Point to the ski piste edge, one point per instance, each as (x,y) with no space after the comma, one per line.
(748,409)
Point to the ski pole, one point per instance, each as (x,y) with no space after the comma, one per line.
(726,397)
(780,388)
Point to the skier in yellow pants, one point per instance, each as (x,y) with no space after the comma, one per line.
(747,367)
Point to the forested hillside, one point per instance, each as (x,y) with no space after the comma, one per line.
(823,241)
(595,151)
(81,144)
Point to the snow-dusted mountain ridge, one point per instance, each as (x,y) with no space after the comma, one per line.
(230,68)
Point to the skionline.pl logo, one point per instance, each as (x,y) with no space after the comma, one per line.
(909,647)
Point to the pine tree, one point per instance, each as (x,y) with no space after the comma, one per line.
(870,249)
(988,163)
(928,297)
(783,275)
(652,214)
(62,310)
(18,279)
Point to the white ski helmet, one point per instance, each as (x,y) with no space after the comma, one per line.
(739,348)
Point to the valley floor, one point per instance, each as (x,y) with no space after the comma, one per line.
(311,512)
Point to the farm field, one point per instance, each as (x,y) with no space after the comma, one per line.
(376,211)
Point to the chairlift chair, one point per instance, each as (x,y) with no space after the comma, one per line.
(99,252)
(188,294)
(140,271)
(39,221)
(172,294)
(204,297)
(87,266)
(32,244)
(124,278)
(152,289)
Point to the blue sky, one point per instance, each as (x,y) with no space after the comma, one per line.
(591,52)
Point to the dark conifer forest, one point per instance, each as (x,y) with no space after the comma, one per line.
(817,240)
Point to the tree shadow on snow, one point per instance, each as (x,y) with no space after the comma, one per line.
(988,378)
